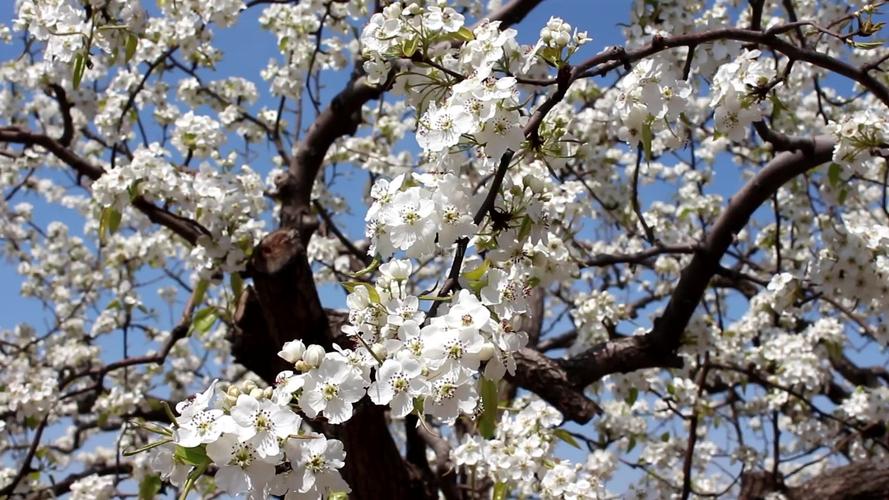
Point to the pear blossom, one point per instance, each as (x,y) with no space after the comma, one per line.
(397,383)
(241,467)
(332,389)
(263,423)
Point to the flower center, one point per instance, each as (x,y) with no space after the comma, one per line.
(330,391)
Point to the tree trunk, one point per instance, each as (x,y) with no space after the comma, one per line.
(283,305)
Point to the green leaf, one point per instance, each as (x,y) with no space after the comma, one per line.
(841,199)
(409,47)
(478,272)
(196,456)
(204,320)
(525,229)
(237,283)
(132,44)
(631,444)
(372,293)
(114,218)
(566,437)
(79,68)
(418,405)
(777,106)
(199,291)
(133,190)
(338,495)
(109,222)
(867,45)
(32,422)
(833,174)
(149,487)
(487,423)
(501,491)
(665,437)
(647,136)
(444,298)
(632,396)
(464,34)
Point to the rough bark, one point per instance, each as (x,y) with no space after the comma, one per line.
(856,481)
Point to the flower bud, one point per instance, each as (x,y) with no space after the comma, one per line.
(379,350)
(314,355)
(302,366)
(533,182)
(545,34)
(256,393)
(486,351)
(292,351)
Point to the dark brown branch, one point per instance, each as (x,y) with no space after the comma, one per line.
(861,480)
(25,468)
(608,60)
(658,347)
(602,260)
(65,109)
(543,376)
(184,227)
(513,12)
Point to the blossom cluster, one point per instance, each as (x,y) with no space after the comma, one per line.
(226,204)
(249,435)
(519,458)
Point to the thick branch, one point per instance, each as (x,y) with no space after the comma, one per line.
(859,480)
(658,347)
(184,227)
(543,376)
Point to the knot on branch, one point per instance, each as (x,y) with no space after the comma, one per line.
(276,251)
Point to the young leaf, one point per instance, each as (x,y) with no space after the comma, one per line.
(487,423)
(109,222)
(204,320)
(501,491)
(409,47)
(132,44)
(477,273)
(647,136)
(464,34)
(199,291)
(632,396)
(149,487)
(566,437)
(833,175)
(237,283)
(372,293)
(79,68)
(196,456)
